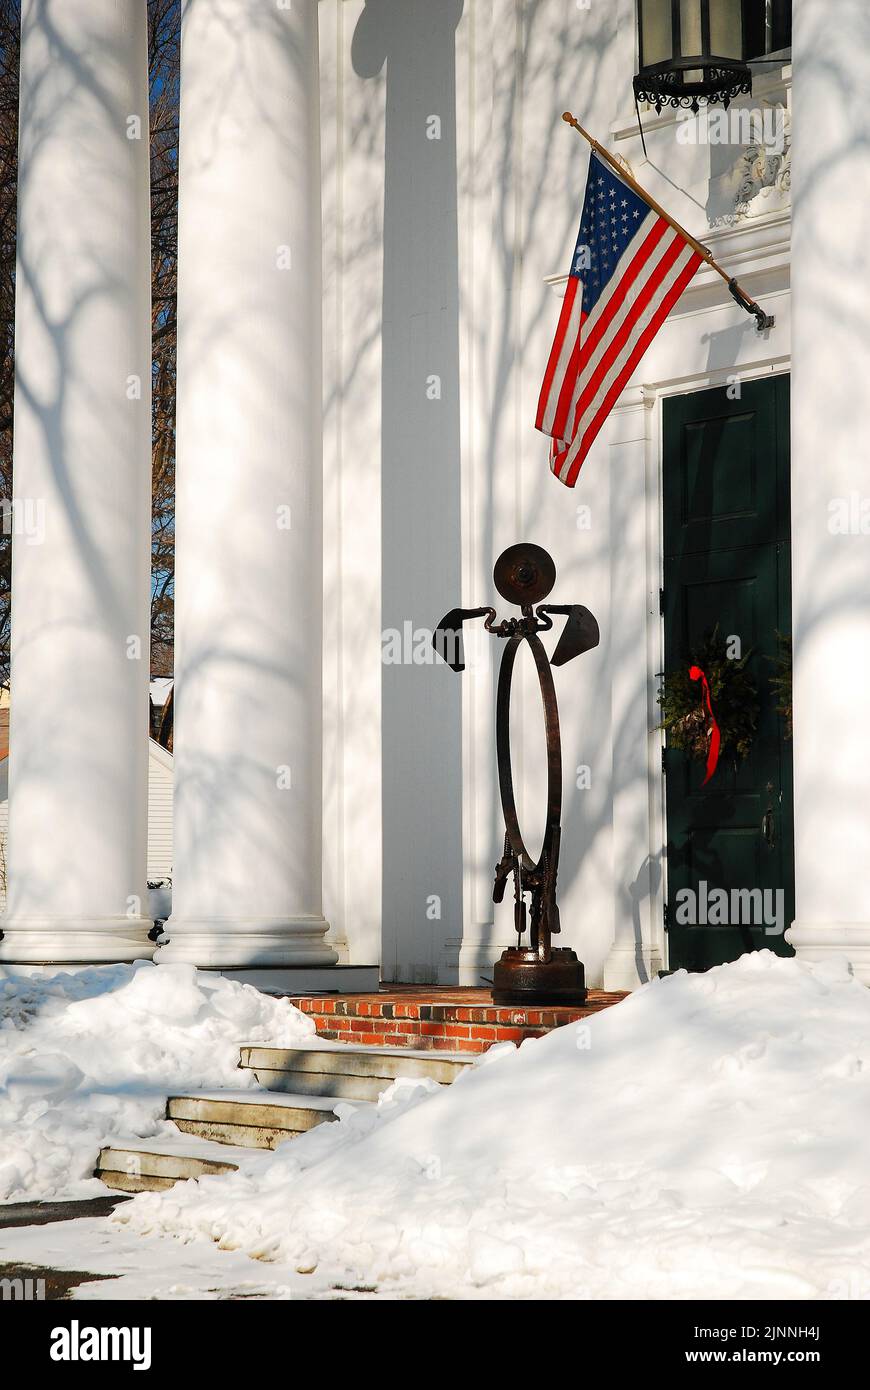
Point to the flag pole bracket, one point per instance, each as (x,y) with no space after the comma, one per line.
(763,321)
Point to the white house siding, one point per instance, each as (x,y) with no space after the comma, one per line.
(159,815)
(159,812)
(452,249)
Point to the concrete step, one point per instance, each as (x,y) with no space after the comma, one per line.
(298,1089)
(152,1165)
(215,1127)
(346,1072)
(252,1119)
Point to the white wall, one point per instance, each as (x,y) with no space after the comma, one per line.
(446,246)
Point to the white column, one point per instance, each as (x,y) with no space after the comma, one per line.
(81,511)
(830,447)
(635,956)
(247,857)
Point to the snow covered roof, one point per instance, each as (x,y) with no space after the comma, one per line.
(160,688)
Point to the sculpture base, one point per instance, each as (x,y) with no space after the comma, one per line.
(519,977)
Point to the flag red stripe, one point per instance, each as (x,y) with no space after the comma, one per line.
(617,299)
(555,352)
(575,444)
(582,350)
(622,335)
(637,353)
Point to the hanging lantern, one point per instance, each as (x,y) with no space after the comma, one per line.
(692,51)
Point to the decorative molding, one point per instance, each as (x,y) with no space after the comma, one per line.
(762,171)
(469,959)
(758,182)
(630,967)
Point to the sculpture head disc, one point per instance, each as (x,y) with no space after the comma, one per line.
(524,574)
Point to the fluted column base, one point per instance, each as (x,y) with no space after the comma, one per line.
(230,943)
(819,941)
(629,967)
(75,941)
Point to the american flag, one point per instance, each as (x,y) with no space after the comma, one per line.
(629,269)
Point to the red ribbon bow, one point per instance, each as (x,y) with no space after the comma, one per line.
(696,674)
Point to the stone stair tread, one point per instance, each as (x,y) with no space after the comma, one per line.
(218,1127)
(356,1074)
(258,1095)
(330,1045)
(178,1146)
(351,1072)
(155,1165)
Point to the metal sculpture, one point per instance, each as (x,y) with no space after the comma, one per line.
(524,574)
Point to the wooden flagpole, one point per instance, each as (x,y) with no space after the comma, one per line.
(743,299)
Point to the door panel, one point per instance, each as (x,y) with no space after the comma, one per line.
(727,563)
(722,488)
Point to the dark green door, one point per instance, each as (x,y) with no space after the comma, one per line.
(727,562)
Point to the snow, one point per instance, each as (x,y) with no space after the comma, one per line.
(706,1138)
(125,1267)
(87,1055)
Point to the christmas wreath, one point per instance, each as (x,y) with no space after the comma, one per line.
(722,694)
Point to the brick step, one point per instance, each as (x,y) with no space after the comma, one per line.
(457,1021)
(349,1072)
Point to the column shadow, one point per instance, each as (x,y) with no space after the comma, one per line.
(420,477)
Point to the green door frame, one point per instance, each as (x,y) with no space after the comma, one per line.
(740,543)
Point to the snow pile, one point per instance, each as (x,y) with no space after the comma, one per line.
(89,1054)
(708,1137)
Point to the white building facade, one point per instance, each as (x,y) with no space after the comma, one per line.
(378,203)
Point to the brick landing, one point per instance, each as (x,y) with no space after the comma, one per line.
(447,1020)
